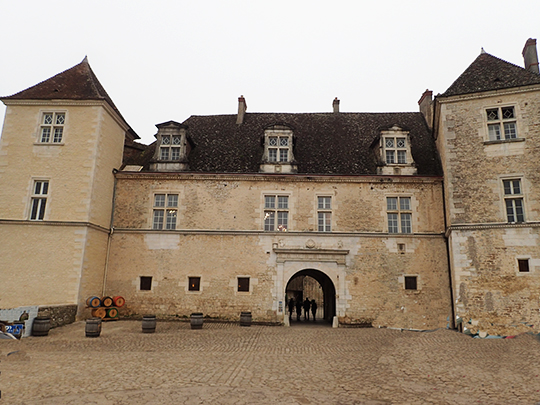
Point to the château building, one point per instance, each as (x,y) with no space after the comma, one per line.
(411,220)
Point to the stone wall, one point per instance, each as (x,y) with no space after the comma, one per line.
(220,237)
(492,295)
(60,314)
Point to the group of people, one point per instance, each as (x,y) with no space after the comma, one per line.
(307,305)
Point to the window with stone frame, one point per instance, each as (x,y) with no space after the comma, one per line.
(165,211)
(501,123)
(170,147)
(513,200)
(399,214)
(38,200)
(243,284)
(145,283)
(278,144)
(411,282)
(276,213)
(52,127)
(194,284)
(523,265)
(395,150)
(324,214)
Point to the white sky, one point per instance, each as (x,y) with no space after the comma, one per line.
(167,60)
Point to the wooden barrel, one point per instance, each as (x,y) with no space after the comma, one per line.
(99,312)
(112,313)
(245,319)
(119,301)
(41,326)
(149,324)
(93,302)
(196,320)
(107,302)
(93,327)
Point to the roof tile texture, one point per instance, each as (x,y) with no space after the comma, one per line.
(324,143)
(489,73)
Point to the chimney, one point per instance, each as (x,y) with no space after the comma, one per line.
(530,56)
(335,105)
(426,107)
(242,107)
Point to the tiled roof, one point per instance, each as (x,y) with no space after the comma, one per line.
(325,143)
(488,73)
(76,83)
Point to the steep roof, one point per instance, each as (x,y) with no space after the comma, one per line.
(76,83)
(487,73)
(325,143)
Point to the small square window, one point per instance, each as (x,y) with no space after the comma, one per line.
(401,247)
(194,284)
(411,283)
(523,265)
(146,283)
(243,284)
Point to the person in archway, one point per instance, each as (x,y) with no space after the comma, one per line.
(291,308)
(313,309)
(298,309)
(307,305)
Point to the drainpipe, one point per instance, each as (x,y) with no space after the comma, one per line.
(109,238)
(446,238)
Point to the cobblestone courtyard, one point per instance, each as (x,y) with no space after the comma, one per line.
(302,364)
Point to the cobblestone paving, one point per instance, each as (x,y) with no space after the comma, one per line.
(303,364)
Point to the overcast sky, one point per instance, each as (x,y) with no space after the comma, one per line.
(167,60)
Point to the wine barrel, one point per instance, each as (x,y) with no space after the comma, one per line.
(119,301)
(107,302)
(41,326)
(245,319)
(99,312)
(112,313)
(93,327)
(93,302)
(149,324)
(196,320)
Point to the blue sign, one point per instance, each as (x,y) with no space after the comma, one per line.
(15,329)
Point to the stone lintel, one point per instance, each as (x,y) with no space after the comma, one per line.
(311,255)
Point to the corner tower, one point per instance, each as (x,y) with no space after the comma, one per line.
(61,140)
(487,126)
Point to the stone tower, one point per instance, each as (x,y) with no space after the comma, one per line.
(61,141)
(487,126)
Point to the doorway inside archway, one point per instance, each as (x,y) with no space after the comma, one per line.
(311,285)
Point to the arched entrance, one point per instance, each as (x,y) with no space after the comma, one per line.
(298,288)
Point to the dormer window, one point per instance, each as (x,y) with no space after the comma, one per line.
(172,148)
(395,152)
(278,150)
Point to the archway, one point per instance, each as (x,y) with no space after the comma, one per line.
(326,300)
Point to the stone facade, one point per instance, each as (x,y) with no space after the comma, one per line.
(220,239)
(405,220)
(492,295)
